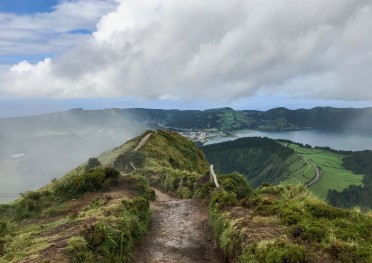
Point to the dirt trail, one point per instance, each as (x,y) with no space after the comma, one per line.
(316,177)
(142,142)
(178,232)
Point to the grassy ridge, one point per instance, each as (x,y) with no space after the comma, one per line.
(96,224)
(288,224)
(334,175)
(93,212)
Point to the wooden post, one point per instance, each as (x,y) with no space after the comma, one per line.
(214,176)
(133,166)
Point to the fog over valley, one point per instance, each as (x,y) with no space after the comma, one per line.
(37,149)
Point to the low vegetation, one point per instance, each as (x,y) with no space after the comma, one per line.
(112,239)
(288,224)
(92,214)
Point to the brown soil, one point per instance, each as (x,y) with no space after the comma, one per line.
(262,229)
(178,232)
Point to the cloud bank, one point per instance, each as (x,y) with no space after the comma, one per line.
(213,49)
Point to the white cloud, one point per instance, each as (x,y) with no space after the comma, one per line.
(215,49)
(44,33)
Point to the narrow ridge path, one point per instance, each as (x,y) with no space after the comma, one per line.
(316,177)
(142,142)
(179,232)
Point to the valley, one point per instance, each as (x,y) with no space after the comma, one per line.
(264,160)
(56,143)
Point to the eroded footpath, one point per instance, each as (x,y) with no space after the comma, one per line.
(179,232)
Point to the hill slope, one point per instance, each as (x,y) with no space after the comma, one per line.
(265,160)
(82,215)
(259,159)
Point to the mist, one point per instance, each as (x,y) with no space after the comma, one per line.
(34,150)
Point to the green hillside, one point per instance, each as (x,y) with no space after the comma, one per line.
(333,174)
(263,160)
(162,149)
(288,224)
(115,205)
(259,159)
(99,212)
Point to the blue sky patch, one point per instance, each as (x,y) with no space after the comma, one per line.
(22,7)
(15,59)
(80,31)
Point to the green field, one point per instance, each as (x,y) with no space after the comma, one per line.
(334,175)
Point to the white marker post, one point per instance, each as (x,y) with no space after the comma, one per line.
(214,177)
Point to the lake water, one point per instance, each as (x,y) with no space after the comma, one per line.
(338,141)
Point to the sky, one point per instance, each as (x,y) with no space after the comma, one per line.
(185,54)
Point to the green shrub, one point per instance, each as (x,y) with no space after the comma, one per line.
(52,211)
(235,183)
(185,193)
(230,239)
(322,209)
(92,163)
(141,185)
(123,161)
(31,204)
(77,184)
(204,191)
(112,173)
(290,213)
(310,233)
(353,253)
(78,251)
(279,252)
(136,205)
(98,201)
(2,247)
(113,241)
(3,228)
(223,199)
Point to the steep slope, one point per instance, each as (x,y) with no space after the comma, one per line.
(288,224)
(265,160)
(162,150)
(259,159)
(94,211)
